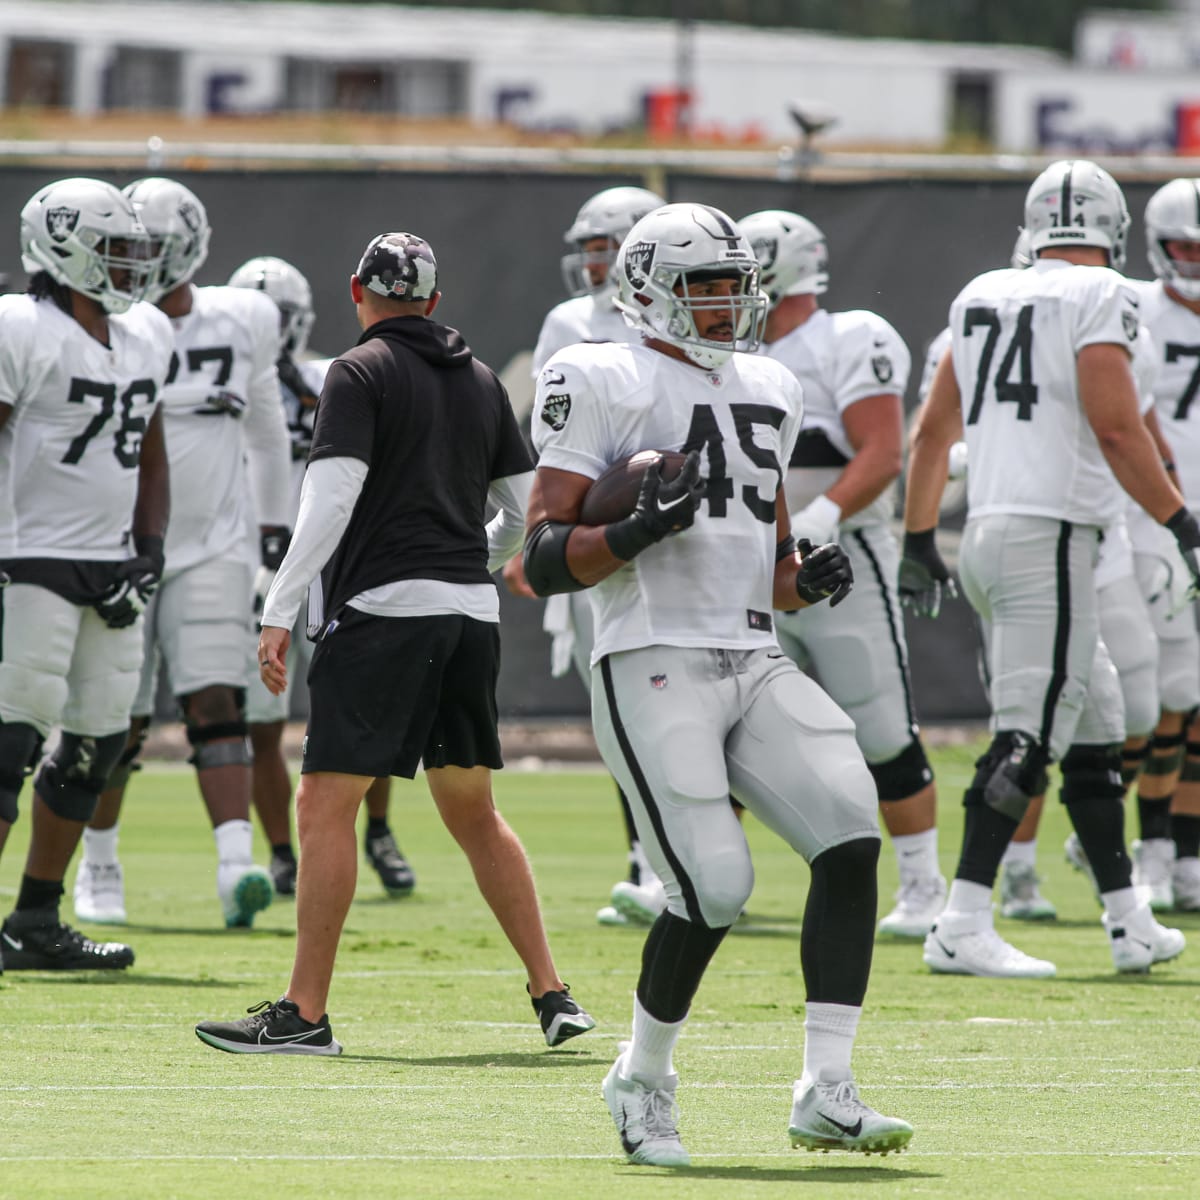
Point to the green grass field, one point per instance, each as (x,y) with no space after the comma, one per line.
(1087,1085)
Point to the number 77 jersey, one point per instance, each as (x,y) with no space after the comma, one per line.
(70,451)
(1016,335)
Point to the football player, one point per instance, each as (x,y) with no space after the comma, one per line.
(853,368)
(1039,378)
(591,315)
(300,379)
(228,447)
(84,469)
(692,700)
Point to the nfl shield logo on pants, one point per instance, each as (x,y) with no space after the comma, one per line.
(658,681)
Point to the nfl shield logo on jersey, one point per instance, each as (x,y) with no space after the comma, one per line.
(658,681)
(556,410)
(61,222)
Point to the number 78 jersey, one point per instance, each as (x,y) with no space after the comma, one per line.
(711,585)
(1016,335)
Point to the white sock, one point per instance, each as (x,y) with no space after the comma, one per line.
(1120,903)
(829,1031)
(967,897)
(916,854)
(100,846)
(234,842)
(649,1054)
(1024,853)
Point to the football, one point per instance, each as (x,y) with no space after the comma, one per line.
(613,496)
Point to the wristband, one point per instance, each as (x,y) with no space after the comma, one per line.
(822,512)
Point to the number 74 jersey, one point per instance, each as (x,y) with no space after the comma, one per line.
(70,450)
(1015,338)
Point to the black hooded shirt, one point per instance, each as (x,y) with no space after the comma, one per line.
(434,426)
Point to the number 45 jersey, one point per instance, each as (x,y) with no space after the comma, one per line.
(711,585)
(1016,334)
(70,450)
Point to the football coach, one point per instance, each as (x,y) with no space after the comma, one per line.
(413,436)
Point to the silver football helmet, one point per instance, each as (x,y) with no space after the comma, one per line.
(291,293)
(1076,203)
(1022,256)
(792,255)
(176,219)
(1173,215)
(673,248)
(609,214)
(86,236)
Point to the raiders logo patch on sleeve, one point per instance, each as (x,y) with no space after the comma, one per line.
(881,364)
(1129,322)
(556,410)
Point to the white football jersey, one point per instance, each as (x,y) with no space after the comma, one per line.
(591,318)
(1016,335)
(839,359)
(70,450)
(300,426)
(711,585)
(1176,333)
(222,406)
(933,356)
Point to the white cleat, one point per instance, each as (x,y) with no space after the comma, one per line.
(1152,863)
(1073,850)
(609,916)
(646,1116)
(1185,884)
(100,893)
(640,903)
(918,904)
(1137,940)
(244,890)
(830,1116)
(967,944)
(1020,897)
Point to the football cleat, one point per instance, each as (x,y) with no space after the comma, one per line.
(918,904)
(561,1018)
(244,890)
(36,940)
(1185,884)
(276,1028)
(100,893)
(390,865)
(1074,853)
(640,902)
(646,1116)
(1137,940)
(967,944)
(283,874)
(1020,897)
(608,915)
(831,1116)
(1153,859)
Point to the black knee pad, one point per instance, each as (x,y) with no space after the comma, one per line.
(20,745)
(1010,774)
(72,778)
(212,745)
(127,763)
(902,776)
(1190,771)
(1091,773)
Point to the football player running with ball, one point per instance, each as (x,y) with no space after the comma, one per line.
(692,699)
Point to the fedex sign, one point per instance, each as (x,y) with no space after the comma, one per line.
(1062,129)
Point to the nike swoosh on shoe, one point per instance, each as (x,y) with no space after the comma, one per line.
(850,1130)
(15,943)
(264,1036)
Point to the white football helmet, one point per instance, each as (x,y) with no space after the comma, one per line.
(1022,256)
(1173,215)
(290,291)
(792,255)
(176,219)
(610,214)
(1076,203)
(86,236)
(682,244)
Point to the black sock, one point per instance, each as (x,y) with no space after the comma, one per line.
(377,827)
(284,850)
(1100,824)
(1154,817)
(986,834)
(674,959)
(838,934)
(1185,829)
(39,893)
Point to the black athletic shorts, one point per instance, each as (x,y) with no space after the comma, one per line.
(386,693)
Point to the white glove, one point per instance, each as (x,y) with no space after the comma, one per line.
(958,460)
(818,523)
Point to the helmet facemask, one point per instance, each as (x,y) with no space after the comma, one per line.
(1173,215)
(582,266)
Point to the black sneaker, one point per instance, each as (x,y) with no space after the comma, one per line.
(36,940)
(560,1016)
(283,875)
(270,1029)
(392,867)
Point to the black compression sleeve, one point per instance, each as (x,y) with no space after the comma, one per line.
(546,559)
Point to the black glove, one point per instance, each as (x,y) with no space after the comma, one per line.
(825,571)
(1187,533)
(924,578)
(275,542)
(135,581)
(662,509)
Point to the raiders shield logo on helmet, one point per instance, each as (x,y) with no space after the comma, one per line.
(189,216)
(766,250)
(637,260)
(882,366)
(1129,323)
(556,410)
(61,222)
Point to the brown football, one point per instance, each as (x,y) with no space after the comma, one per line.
(613,496)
